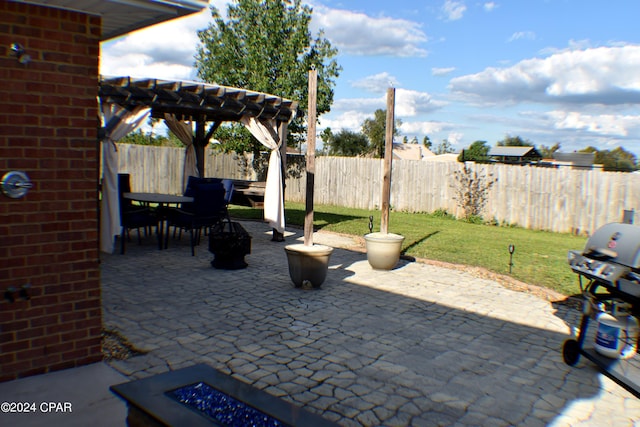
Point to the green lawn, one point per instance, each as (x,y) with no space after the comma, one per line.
(540,258)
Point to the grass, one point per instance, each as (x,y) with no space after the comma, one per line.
(540,257)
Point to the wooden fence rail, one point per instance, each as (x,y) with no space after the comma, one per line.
(559,200)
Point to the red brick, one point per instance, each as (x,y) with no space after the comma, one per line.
(48,129)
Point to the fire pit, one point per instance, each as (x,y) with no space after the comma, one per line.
(202,396)
(229,242)
(610,265)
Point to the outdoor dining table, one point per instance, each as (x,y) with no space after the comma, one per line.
(163,200)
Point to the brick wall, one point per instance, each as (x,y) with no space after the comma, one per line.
(48,239)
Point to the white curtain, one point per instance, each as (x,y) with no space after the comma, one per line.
(184,132)
(117,122)
(266,132)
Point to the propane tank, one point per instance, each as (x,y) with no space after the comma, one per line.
(617,335)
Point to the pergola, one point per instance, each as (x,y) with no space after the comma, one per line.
(126,102)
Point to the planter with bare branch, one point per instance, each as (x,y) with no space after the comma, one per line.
(309,263)
(384,248)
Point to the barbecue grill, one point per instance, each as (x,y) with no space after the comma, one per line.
(610,266)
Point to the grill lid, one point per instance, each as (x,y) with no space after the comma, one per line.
(615,242)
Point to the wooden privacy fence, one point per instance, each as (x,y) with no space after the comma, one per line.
(559,200)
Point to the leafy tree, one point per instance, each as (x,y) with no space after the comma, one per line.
(514,141)
(374,130)
(444,147)
(414,140)
(616,160)
(405,140)
(547,152)
(427,142)
(140,138)
(266,46)
(477,152)
(347,143)
(233,137)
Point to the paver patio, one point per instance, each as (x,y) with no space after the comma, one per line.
(420,345)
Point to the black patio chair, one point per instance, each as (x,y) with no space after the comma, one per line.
(189,191)
(133,216)
(208,209)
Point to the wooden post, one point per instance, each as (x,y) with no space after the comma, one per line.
(199,143)
(311,156)
(388,154)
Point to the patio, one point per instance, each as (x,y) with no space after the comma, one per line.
(419,345)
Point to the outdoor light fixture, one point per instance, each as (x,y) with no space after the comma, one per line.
(18,51)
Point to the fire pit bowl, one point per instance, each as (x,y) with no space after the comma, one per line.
(200,396)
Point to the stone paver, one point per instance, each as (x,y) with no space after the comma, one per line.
(420,345)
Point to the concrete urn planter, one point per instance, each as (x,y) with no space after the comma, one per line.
(383,250)
(308,264)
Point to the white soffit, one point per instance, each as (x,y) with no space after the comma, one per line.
(124,16)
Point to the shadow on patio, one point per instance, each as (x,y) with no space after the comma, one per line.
(419,345)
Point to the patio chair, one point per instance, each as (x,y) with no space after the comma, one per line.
(189,191)
(228,195)
(133,216)
(208,209)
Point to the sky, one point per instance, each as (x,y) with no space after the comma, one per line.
(548,71)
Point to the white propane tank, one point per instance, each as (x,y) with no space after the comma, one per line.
(617,336)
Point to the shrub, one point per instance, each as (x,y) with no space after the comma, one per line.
(472,191)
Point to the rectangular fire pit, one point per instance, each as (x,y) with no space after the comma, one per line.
(202,396)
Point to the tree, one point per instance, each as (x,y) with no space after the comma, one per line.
(374,130)
(346,143)
(427,142)
(140,138)
(444,147)
(266,46)
(477,152)
(616,160)
(514,141)
(547,152)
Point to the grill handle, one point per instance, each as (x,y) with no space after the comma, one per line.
(601,252)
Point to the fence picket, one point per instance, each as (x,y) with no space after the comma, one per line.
(559,200)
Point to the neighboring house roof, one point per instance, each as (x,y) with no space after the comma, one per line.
(576,159)
(449,157)
(123,16)
(410,151)
(512,151)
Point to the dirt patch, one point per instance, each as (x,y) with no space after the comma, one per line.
(117,347)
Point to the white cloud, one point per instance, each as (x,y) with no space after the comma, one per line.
(454,138)
(162,51)
(356,33)
(350,120)
(442,71)
(453,10)
(489,6)
(422,128)
(410,103)
(605,75)
(522,35)
(377,83)
(614,125)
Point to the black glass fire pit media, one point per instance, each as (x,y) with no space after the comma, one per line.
(221,407)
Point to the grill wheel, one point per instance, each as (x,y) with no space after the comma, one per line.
(571,352)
